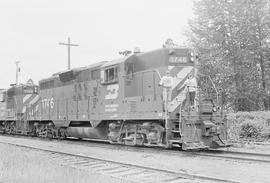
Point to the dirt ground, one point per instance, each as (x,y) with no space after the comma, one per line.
(18,165)
(236,170)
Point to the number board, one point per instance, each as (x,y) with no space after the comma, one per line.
(178,60)
(28,91)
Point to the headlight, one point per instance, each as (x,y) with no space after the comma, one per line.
(219,128)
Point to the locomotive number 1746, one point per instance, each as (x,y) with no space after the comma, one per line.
(46,103)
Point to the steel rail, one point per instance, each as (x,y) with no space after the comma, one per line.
(267,143)
(237,155)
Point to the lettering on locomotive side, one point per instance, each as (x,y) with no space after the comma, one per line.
(46,103)
(111,107)
(113,91)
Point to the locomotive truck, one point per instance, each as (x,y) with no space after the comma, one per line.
(120,101)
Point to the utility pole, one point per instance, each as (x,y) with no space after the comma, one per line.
(68,45)
(17,71)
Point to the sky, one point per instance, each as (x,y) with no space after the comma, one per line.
(32,29)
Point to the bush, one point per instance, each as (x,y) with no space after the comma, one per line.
(249,125)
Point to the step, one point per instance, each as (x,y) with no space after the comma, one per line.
(175,131)
(175,141)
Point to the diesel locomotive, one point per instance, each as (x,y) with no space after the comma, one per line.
(120,101)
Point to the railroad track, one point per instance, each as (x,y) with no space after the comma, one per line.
(235,155)
(213,153)
(220,154)
(264,143)
(120,170)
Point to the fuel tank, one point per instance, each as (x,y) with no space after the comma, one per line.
(88,132)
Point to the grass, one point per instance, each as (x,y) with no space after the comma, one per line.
(249,125)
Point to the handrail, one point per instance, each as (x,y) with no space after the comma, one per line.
(180,120)
(158,73)
(212,84)
(144,71)
(214,88)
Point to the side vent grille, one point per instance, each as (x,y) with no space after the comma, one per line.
(133,106)
(67,76)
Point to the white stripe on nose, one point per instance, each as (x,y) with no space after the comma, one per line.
(177,101)
(182,95)
(24,109)
(34,100)
(26,97)
(181,75)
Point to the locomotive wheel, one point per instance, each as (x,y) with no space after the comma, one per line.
(49,135)
(10,129)
(131,140)
(7,129)
(62,133)
(142,140)
(33,132)
(112,141)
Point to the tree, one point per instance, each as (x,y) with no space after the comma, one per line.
(232,37)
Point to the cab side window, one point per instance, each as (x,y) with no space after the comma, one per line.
(129,68)
(111,75)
